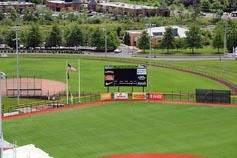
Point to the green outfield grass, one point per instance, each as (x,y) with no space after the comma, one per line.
(92,75)
(130,127)
(224,69)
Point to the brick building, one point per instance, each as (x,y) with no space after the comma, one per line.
(18,5)
(133,9)
(110,7)
(59,5)
(156,34)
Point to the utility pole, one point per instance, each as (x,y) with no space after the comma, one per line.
(2,77)
(17,28)
(150,35)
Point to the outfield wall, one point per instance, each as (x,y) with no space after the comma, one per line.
(119,96)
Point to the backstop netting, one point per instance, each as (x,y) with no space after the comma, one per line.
(25,86)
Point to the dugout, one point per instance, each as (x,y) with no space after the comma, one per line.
(213,96)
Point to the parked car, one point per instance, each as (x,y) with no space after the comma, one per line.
(118,50)
(203,14)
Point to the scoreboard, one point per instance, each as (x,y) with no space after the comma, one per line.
(117,75)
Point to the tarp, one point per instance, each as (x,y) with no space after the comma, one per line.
(26,151)
(5,144)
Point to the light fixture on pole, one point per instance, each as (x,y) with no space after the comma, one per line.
(2,77)
(150,35)
(17,28)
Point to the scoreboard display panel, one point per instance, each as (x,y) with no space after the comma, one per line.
(125,75)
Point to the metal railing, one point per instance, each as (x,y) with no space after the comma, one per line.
(47,105)
(86,98)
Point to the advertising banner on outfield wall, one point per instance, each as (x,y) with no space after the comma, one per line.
(156,96)
(120,95)
(138,95)
(105,96)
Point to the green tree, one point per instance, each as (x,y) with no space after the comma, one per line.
(193,39)
(181,14)
(55,37)
(75,37)
(113,41)
(23,37)
(1,39)
(168,39)
(28,15)
(1,15)
(12,12)
(97,39)
(179,43)
(218,40)
(118,30)
(235,5)
(126,39)
(143,41)
(87,31)
(205,5)
(231,35)
(10,39)
(48,15)
(172,8)
(226,4)
(34,37)
(217,5)
(206,37)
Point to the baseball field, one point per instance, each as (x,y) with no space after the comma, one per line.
(128,129)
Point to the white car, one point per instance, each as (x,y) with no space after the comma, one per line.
(118,50)
(203,14)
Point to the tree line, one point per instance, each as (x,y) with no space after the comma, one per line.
(195,38)
(71,37)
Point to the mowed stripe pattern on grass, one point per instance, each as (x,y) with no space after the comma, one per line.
(130,127)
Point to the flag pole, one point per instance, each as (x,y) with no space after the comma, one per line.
(79,84)
(67,79)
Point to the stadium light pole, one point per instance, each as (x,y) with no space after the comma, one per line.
(2,77)
(105,39)
(150,35)
(105,29)
(41,9)
(224,43)
(17,28)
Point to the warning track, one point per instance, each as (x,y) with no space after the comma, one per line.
(105,102)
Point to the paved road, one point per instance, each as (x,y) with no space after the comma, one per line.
(131,52)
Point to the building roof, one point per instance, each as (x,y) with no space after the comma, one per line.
(58,1)
(159,31)
(92,2)
(134,31)
(163,7)
(76,1)
(126,5)
(63,2)
(5,144)
(7,3)
(26,151)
